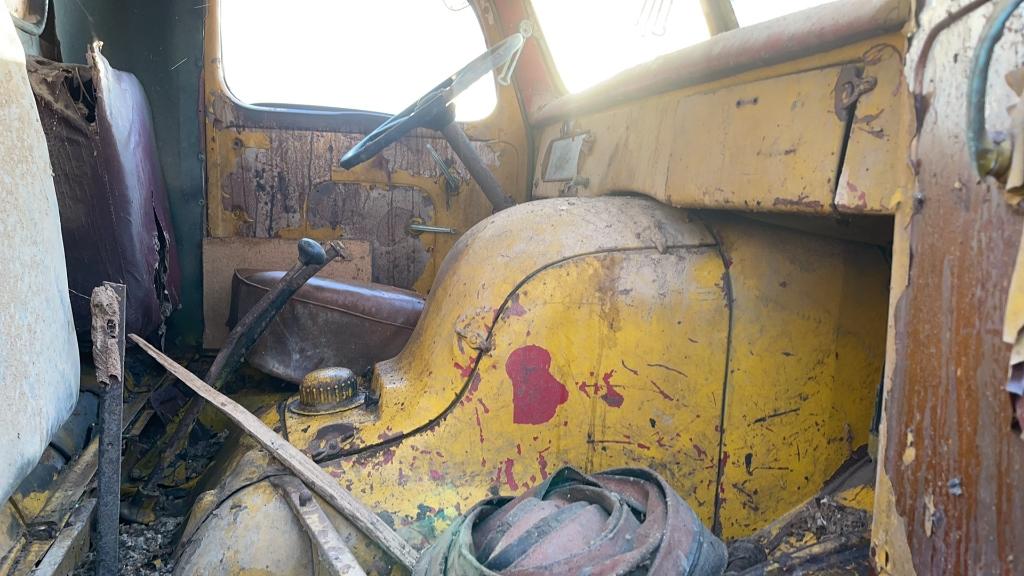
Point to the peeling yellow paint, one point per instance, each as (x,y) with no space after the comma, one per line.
(888,530)
(909,453)
(859,497)
(1013,324)
(890,549)
(929,514)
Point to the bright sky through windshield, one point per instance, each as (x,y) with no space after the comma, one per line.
(380,55)
(592,40)
(376,55)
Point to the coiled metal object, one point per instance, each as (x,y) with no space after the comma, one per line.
(625,521)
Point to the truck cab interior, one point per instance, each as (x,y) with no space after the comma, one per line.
(512,286)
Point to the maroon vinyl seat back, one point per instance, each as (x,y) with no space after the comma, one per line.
(327,323)
(114,213)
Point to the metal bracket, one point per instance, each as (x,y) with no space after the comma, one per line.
(850,86)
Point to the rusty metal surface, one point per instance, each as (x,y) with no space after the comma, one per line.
(108,178)
(327,323)
(108,340)
(617,522)
(790,37)
(953,462)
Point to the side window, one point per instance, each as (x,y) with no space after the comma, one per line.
(592,41)
(372,55)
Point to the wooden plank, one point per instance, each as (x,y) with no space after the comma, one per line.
(222,256)
(71,544)
(301,465)
(334,554)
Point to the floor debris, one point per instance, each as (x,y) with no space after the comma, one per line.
(146,549)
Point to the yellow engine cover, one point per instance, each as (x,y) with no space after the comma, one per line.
(737,359)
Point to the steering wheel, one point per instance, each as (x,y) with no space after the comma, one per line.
(432,109)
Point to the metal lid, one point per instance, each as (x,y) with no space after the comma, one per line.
(327,390)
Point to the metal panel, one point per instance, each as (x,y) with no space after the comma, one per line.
(876,167)
(743,147)
(804,377)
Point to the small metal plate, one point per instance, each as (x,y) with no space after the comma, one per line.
(563,158)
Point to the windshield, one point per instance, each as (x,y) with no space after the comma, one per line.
(373,55)
(592,40)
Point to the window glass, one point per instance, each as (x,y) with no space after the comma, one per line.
(592,40)
(373,55)
(753,11)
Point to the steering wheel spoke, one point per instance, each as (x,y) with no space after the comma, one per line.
(432,110)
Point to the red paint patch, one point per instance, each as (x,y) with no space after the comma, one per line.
(510,477)
(484,406)
(542,463)
(436,475)
(700,451)
(479,425)
(536,394)
(474,387)
(611,396)
(642,446)
(582,386)
(464,371)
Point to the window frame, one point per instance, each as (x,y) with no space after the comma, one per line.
(221,103)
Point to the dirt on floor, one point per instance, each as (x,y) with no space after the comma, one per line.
(148,549)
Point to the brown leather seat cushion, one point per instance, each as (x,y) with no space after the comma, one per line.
(327,323)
